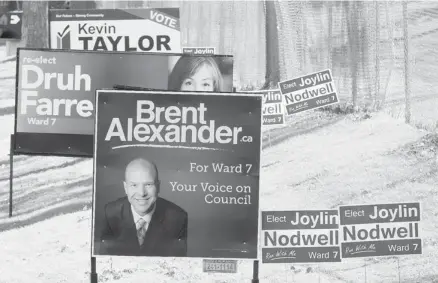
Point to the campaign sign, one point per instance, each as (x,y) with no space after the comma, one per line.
(304,236)
(219,266)
(55,91)
(10,25)
(187,163)
(139,30)
(199,50)
(309,92)
(380,230)
(273,107)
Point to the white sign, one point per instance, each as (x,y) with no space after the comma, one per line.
(136,30)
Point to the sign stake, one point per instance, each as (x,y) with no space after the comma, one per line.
(11,173)
(255,272)
(93,274)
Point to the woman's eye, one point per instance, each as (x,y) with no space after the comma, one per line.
(188,83)
(206,84)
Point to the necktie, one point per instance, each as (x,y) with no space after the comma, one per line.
(141,230)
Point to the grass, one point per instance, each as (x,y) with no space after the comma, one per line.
(385,172)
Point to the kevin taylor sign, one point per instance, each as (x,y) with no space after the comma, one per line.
(141,30)
(56,91)
(186,163)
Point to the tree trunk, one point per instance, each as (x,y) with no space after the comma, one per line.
(352,22)
(272,48)
(135,4)
(377,105)
(330,35)
(107,4)
(57,4)
(83,5)
(34,28)
(390,35)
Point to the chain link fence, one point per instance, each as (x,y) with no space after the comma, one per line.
(353,38)
(362,42)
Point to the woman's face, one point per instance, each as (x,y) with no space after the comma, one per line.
(202,80)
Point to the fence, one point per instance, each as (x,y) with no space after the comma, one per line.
(361,41)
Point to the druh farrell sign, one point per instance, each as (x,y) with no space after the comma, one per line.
(300,236)
(56,91)
(380,229)
(140,30)
(311,91)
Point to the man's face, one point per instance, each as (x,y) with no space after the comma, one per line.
(142,188)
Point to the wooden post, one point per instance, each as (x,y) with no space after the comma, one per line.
(255,272)
(35,32)
(93,274)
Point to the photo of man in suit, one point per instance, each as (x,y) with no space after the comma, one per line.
(142,223)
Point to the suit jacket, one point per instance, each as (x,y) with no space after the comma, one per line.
(166,234)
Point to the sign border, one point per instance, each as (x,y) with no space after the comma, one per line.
(49,20)
(318,107)
(97,95)
(420,230)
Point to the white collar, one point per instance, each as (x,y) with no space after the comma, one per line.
(146,218)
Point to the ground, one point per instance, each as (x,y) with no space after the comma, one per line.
(376,160)
(320,160)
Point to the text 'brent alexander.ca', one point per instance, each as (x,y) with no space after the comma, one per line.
(172,124)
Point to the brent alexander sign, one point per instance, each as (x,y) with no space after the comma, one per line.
(380,230)
(300,236)
(309,92)
(206,147)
